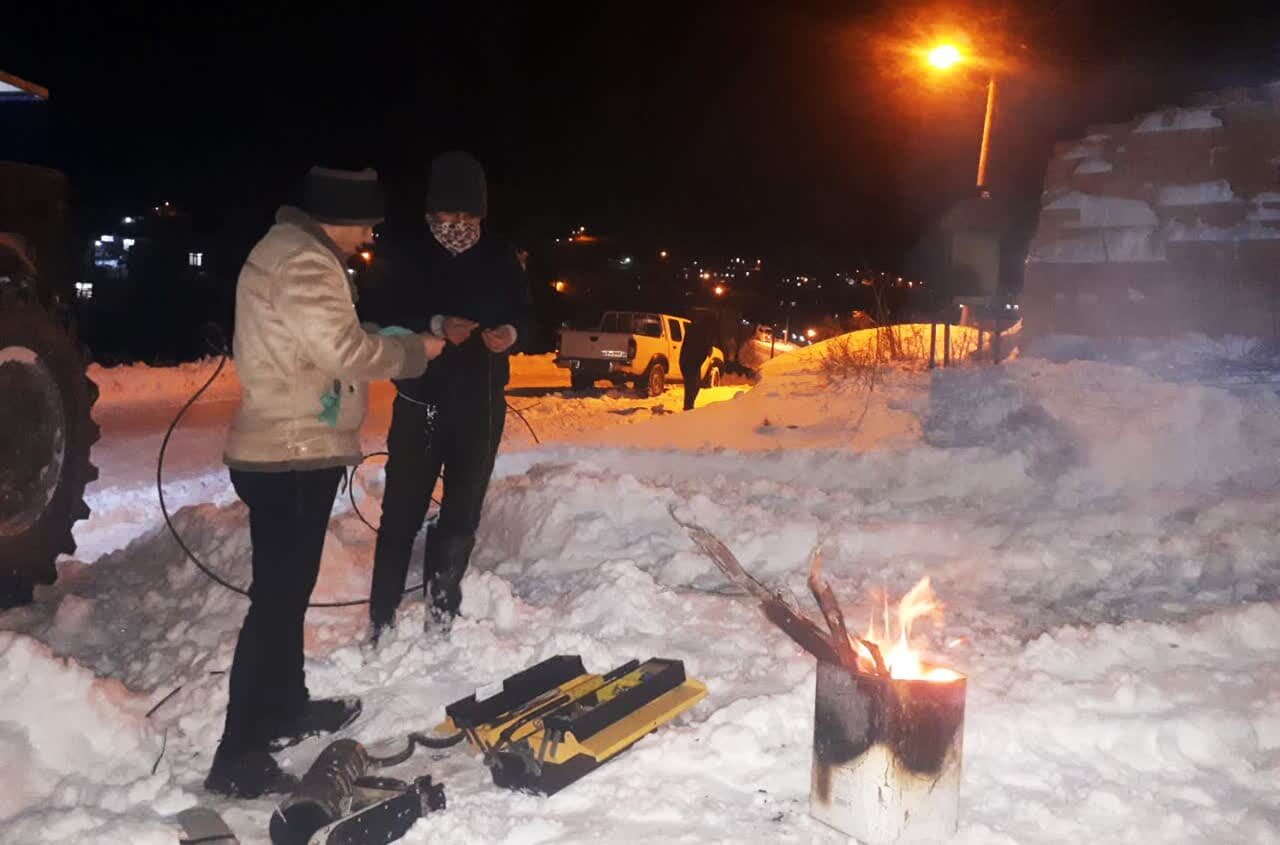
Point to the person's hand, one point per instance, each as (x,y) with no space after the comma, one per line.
(432,345)
(499,339)
(458,329)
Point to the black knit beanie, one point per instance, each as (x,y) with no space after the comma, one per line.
(343,197)
(457,184)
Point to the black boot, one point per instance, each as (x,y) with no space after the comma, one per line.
(247,774)
(447,559)
(319,716)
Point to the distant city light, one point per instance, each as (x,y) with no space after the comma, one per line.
(812,333)
(719,290)
(560,285)
(366,256)
(107,239)
(662,254)
(128,221)
(84,290)
(704,275)
(194,259)
(626,259)
(128,243)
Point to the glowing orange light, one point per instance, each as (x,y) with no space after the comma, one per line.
(662,254)
(559,285)
(812,333)
(366,256)
(719,290)
(944,56)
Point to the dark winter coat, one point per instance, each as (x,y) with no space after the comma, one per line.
(697,342)
(418,279)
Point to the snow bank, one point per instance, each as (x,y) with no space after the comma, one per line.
(1136,244)
(134,384)
(1248,231)
(1198,193)
(1104,212)
(1178,120)
(1093,165)
(1100,524)
(77,754)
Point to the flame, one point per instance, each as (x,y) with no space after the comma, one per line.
(901,659)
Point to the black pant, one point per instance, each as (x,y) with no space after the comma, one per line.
(288,517)
(691,373)
(461,438)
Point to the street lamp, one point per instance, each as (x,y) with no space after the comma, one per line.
(944,57)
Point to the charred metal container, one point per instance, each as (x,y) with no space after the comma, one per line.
(886,756)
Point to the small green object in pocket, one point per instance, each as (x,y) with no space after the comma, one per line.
(331,402)
(393,331)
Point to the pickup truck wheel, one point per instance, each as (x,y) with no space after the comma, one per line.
(654,381)
(581,381)
(713,376)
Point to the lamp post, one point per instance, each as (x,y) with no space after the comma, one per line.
(946,56)
(943,58)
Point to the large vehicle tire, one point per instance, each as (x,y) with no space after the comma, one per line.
(46,432)
(654,380)
(581,381)
(714,375)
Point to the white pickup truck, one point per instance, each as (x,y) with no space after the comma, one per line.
(632,346)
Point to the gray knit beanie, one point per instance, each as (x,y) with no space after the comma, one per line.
(343,197)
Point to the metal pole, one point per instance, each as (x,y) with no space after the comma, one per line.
(985,152)
(933,343)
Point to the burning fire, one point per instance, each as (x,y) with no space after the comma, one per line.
(899,657)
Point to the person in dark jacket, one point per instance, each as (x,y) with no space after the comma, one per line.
(693,352)
(466,285)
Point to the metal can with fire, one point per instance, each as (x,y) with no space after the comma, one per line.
(886,754)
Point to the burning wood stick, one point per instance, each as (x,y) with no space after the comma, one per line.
(807,633)
(826,598)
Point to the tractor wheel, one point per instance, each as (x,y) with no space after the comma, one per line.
(46,432)
(654,380)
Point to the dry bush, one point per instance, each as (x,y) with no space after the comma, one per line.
(861,357)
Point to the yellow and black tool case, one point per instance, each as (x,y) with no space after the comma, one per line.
(554,722)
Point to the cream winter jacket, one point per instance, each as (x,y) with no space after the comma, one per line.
(297,338)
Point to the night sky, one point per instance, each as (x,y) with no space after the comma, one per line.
(795,130)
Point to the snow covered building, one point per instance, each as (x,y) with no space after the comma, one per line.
(1165,224)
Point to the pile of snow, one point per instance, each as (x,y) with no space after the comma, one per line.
(1104,212)
(134,384)
(1102,535)
(78,752)
(1178,120)
(1250,230)
(1197,193)
(1136,244)
(1093,165)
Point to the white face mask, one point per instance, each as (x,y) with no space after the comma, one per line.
(457,236)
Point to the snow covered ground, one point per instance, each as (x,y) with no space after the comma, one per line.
(1102,532)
